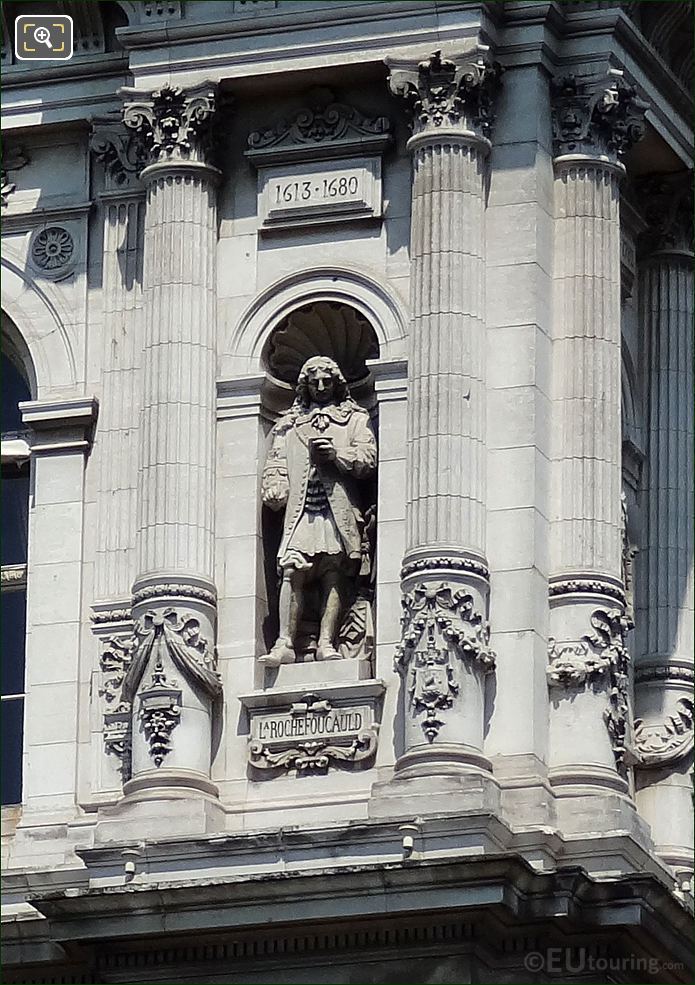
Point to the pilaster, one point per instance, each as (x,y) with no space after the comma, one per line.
(594,124)
(444,654)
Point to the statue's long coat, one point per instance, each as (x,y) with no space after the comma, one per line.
(288,465)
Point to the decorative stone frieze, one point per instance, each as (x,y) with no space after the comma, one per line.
(592,117)
(439,624)
(173,124)
(447,93)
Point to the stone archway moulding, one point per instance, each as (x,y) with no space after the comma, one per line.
(377,304)
(42,319)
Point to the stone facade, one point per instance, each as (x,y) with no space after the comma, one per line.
(478,766)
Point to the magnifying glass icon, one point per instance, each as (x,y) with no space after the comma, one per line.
(43,36)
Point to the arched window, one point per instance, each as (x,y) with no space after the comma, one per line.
(13,593)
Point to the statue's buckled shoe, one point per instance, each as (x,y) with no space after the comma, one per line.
(280,653)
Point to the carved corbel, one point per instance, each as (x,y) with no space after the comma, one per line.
(122,152)
(13,159)
(114,663)
(439,625)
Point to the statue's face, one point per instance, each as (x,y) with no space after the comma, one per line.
(321,385)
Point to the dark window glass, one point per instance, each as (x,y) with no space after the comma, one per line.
(14,493)
(14,388)
(12,726)
(13,606)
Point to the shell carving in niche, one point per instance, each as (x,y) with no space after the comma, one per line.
(324,328)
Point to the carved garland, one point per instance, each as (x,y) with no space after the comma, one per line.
(598,655)
(438,624)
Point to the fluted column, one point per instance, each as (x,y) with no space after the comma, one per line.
(594,124)
(664,613)
(444,653)
(172,680)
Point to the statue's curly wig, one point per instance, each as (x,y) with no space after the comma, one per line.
(340,388)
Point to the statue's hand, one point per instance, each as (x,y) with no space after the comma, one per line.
(322,450)
(274,494)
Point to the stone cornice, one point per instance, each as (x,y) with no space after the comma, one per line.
(452,96)
(64,425)
(174,126)
(595,118)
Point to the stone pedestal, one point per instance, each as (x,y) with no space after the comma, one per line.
(444,654)
(663,735)
(172,681)
(594,124)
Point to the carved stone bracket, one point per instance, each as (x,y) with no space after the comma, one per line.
(439,624)
(665,742)
(443,93)
(172,124)
(592,116)
(599,656)
(324,129)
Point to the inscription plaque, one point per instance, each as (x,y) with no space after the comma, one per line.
(328,191)
(313,731)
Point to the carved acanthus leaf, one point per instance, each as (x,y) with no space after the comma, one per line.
(173,124)
(439,624)
(444,93)
(665,742)
(589,116)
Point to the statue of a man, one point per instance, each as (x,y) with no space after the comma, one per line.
(321,448)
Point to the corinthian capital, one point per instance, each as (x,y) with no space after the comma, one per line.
(667,204)
(591,117)
(445,94)
(174,125)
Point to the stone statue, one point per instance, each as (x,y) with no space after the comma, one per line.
(322,455)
